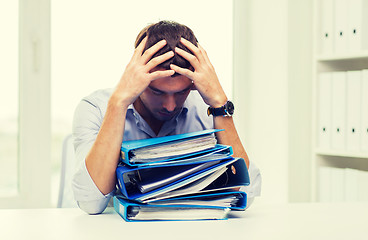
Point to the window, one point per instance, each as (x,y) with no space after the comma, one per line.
(25,124)
(9,98)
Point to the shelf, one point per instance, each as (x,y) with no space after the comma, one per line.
(342,62)
(342,57)
(325,93)
(341,153)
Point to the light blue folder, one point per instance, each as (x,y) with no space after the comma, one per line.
(128,209)
(128,146)
(240,196)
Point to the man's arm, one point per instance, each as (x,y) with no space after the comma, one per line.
(206,82)
(230,136)
(103,157)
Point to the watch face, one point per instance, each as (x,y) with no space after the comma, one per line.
(230,108)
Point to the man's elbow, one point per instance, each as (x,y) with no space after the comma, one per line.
(92,207)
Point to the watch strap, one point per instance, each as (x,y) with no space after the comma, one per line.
(216,111)
(221,111)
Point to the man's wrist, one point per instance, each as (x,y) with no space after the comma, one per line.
(225,110)
(219,102)
(118,100)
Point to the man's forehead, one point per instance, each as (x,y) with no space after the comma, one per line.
(171,84)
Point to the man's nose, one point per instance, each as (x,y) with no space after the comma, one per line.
(169,103)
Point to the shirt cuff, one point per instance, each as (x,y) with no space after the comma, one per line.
(88,196)
(254,188)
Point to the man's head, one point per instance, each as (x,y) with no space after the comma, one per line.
(163,99)
(171,32)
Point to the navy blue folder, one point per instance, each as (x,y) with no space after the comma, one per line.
(129,179)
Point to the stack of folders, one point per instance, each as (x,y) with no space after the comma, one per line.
(181,177)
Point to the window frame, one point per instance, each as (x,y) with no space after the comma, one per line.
(34,123)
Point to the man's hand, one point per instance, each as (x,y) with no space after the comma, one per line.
(204,76)
(138,74)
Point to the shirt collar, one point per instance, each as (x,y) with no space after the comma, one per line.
(166,129)
(183,111)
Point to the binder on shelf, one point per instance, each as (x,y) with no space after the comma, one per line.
(364,112)
(353,118)
(324,111)
(324,186)
(326,35)
(341,26)
(357,25)
(338,135)
(363,186)
(161,149)
(342,185)
(337,184)
(351,188)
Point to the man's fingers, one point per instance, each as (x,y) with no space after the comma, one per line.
(182,71)
(160,74)
(197,52)
(147,55)
(139,50)
(189,57)
(158,60)
(204,53)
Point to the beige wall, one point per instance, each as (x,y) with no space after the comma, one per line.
(267,66)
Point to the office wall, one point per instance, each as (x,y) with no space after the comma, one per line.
(267,139)
(300,99)
(271,88)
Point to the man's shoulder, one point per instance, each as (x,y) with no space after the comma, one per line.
(99,97)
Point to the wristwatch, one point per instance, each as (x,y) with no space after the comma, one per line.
(226,110)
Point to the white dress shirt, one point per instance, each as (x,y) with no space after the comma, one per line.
(88,118)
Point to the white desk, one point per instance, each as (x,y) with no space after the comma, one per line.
(289,221)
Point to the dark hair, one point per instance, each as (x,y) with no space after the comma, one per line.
(172,32)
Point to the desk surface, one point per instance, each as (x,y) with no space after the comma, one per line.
(278,221)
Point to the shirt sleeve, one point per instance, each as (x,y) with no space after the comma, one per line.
(86,124)
(254,188)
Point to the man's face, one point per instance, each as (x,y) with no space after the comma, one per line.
(164,97)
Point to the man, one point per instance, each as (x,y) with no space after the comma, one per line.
(165,89)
